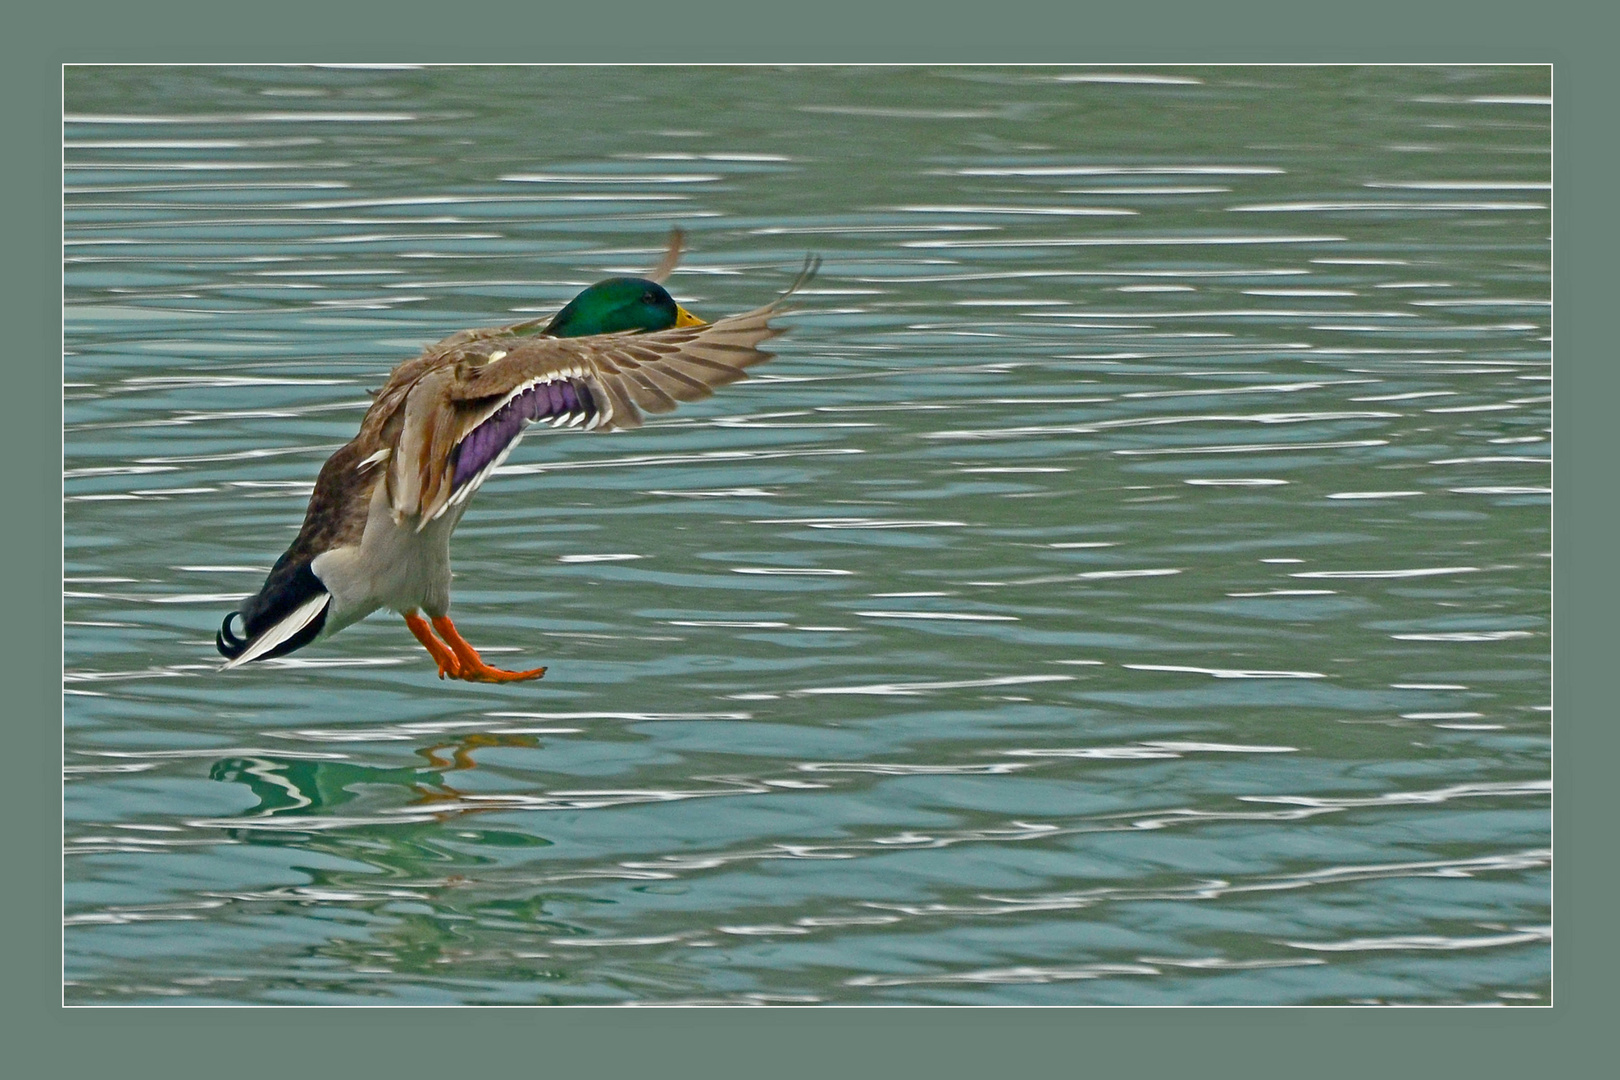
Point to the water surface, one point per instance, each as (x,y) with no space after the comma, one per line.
(1129,585)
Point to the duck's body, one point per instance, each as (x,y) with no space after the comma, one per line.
(377,531)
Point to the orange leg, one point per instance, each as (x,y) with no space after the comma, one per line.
(448,664)
(470,665)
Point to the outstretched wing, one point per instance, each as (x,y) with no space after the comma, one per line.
(463,418)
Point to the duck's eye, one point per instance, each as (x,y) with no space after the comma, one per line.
(648,298)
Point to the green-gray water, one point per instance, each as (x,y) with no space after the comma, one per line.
(1129,585)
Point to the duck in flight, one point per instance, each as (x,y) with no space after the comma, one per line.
(377,531)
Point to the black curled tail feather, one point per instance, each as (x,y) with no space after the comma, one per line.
(229,645)
(287,613)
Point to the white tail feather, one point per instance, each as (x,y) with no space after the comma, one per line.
(280,632)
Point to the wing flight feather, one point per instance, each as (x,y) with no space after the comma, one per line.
(457,410)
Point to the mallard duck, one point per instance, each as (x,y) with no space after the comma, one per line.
(377,531)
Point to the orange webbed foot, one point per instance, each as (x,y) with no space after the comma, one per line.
(459,660)
(441,653)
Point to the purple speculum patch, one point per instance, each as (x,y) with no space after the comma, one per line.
(544,401)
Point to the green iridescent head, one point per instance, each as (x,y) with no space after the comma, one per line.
(617,305)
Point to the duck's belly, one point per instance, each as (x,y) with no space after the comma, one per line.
(393,566)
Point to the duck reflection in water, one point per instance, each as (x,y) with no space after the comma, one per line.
(291,786)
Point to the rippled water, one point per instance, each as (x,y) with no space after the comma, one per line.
(1130,583)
